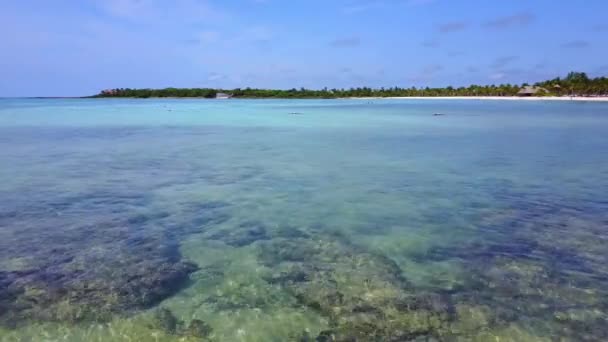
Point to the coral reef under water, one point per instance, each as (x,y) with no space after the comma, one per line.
(113,264)
(540,265)
(531,272)
(363,295)
(93,286)
(165,321)
(243,234)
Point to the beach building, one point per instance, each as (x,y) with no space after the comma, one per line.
(223,96)
(531,91)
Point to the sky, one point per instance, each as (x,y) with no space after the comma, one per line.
(79,47)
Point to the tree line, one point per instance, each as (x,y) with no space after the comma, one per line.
(574,84)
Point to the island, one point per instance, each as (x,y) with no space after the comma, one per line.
(575,84)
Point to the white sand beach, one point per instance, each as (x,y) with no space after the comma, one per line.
(514,98)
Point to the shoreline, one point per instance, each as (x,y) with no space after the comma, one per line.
(493,98)
(478,98)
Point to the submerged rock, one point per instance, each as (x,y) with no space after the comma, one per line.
(238,295)
(326,336)
(89,273)
(362,294)
(550,270)
(198,328)
(244,234)
(165,321)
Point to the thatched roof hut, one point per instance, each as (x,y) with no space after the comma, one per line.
(531,91)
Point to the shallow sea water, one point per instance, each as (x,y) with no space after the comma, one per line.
(352,220)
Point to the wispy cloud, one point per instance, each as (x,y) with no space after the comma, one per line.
(503,61)
(576,44)
(216,76)
(515,20)
(432,68)
(600,27)
(249,35)
(426,73)
(126,8)
(431,43)
(456,53)
(518,75)
(257,34)
(498,76)
(602,70)
(453,26)
(419,2)
(209,36)
(345,42)
(362,7)
(284,69)
(152,11)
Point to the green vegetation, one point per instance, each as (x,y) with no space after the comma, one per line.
(575,84)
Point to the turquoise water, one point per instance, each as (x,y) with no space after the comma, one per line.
(366,220)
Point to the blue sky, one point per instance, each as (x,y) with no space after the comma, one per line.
(78,47)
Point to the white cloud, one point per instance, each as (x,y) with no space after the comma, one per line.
(427,73)
(154,11)
(214,76)
(419,2)
(362,7)
(498,76)
(365,6)
(256,34)
(126,8)
(209,36)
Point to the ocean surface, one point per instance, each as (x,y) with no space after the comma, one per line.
(303,220)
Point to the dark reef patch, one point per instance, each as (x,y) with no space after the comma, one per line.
(198,329)
(198,217)
(291,232)
(87,258)
(244,234)
(164,320)
(539,262)
(93,284)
